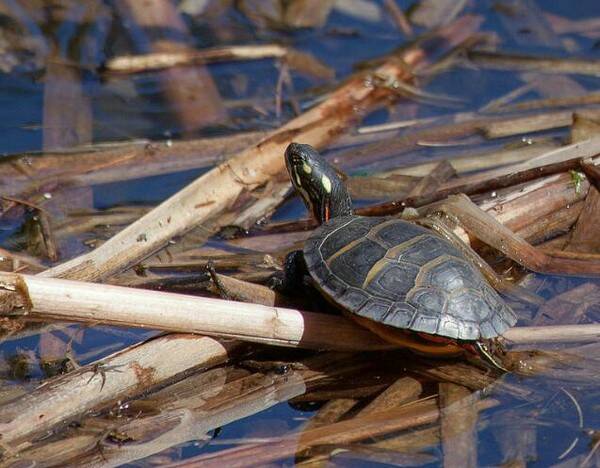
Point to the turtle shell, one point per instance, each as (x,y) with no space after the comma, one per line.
(405,276)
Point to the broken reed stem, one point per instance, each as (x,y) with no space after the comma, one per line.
(109,162)
(153,61)
(219,188)
(553,334)
(122,375)
(505,61)
(115,305)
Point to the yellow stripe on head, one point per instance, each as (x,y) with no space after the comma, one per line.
(326,183)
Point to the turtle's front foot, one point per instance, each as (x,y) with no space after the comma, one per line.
(292,280)
(276,282)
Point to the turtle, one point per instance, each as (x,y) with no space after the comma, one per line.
(400,280)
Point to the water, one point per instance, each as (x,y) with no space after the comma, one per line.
(550,419)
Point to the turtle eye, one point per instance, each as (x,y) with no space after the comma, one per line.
(298,161)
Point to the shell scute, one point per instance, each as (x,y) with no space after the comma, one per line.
(354,264)
(449,326)
(468,304)
(400,315)
(392,279)
(352,230)
(355,298)
(450,274)
(375,309)
(425,323)
(429,300)
(425,248)
(395,232)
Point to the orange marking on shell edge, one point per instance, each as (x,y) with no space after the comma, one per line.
(327,214)
(435,338)
(401,338)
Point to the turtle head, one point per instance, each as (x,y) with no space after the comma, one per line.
(317,182)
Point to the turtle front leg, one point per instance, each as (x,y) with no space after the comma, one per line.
(296,284)
(438,221)
(294,273)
